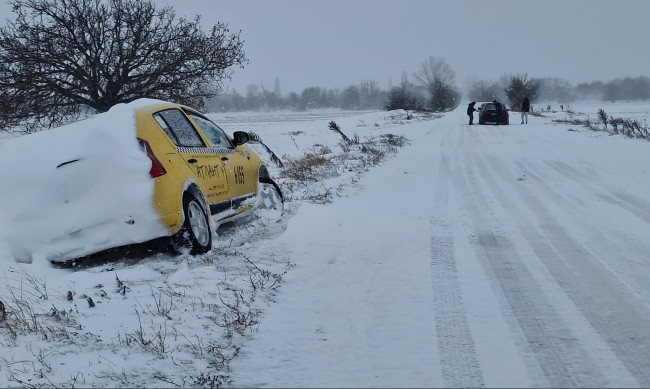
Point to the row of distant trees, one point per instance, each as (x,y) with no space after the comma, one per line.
(433,89)
(549,89)
(440,94)
(60,59)
(621,89)
(365,95)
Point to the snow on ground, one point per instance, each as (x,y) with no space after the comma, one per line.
(498,256)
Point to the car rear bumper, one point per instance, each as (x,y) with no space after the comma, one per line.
(71,242)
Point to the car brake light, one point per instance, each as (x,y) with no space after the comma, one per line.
(157,169)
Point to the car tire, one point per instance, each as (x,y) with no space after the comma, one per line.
(270,199)
(270,195)
(195,237)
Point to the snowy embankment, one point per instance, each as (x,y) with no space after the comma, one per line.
(154,319)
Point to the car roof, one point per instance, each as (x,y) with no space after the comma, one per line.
(153,105)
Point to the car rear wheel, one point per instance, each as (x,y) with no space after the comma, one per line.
(195,236)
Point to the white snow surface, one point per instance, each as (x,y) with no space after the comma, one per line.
(477,256)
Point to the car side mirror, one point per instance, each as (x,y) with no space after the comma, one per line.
(240,137)
(480,109)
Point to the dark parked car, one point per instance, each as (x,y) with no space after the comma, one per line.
(494,112)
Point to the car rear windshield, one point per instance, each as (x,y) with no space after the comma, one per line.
(489,106)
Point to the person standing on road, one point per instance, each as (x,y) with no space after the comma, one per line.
(470,112)
(525,107)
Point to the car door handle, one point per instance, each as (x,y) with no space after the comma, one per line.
(191,160)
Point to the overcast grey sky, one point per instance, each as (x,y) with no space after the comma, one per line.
(336,43)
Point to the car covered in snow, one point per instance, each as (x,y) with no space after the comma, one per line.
(493,113)
(140,171)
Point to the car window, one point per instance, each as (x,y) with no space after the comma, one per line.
(489,106)
(178,128)
(213,132)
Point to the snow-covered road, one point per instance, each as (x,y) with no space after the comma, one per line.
(498,256)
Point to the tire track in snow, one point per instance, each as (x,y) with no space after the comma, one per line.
(603,301)
(632,271)
(628,202)
(562,359)
(458,361)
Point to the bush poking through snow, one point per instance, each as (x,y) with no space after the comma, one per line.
(260,278)
(602,116)
(319,164)
(211,380)
(20,312)
(393,140)
(632,128)
(335,127)
(238,315)
(152,339)
(311,167)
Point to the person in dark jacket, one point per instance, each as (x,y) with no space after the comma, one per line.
(525,108)
(470,112)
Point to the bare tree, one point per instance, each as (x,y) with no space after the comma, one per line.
(555,89)
(270,99)
(486,91)
(437,77)
(62,57)
(351,98)
(370,94)
(519,86)
(402,98)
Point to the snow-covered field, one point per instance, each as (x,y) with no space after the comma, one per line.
(498,256)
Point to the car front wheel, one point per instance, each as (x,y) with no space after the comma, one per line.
(270,199)
(195,236)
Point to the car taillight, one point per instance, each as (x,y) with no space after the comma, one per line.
(157,169)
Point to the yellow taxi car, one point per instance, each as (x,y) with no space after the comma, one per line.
(141,171)
(200,171)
